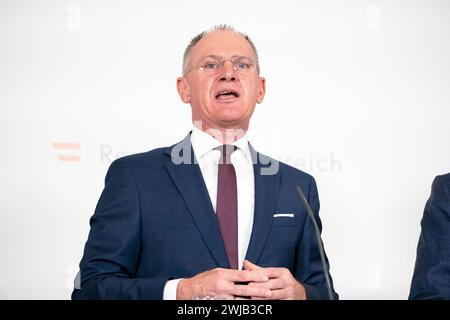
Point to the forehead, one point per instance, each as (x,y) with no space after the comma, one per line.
(222,43)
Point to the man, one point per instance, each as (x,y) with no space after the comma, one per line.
(431,279)
(208,218)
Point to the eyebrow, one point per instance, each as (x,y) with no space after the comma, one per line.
(214,56)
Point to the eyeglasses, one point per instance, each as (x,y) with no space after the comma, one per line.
(212,65)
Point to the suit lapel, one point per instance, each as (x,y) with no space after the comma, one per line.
(266,195)
(188,178)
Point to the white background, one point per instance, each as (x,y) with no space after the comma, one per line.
(357,95)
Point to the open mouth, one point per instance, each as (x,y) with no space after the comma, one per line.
(227,95)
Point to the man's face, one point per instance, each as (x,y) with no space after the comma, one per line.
(224,98)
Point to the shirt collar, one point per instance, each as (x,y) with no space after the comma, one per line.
(203,143)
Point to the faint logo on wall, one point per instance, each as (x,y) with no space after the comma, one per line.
(327,162)
(67,151)
(108,155)
(374,275)
(73,19)
(314,163)
(373,17)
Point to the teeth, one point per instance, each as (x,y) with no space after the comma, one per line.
(227,92)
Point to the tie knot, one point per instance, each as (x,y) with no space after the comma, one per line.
(225,152)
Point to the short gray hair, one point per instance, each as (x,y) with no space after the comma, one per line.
(200,36)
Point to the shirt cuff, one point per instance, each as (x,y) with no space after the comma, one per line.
(170,290)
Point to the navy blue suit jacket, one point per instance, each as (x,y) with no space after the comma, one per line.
(431,279)
(155,222)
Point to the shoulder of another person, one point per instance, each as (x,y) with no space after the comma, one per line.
(445,178)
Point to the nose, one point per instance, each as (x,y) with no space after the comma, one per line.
(228,72)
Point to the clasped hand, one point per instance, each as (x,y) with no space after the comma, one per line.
(254,282)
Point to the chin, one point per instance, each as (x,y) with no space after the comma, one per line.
(230,116)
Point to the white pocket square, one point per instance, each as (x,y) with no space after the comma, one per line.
(285,215)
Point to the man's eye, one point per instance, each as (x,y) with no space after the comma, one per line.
(210,66)
(242,65)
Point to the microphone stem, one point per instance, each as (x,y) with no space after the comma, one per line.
(319,241)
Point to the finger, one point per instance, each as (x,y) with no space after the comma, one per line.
(263,275)
(247,291)
(259,298)
(281,294)
(254,268)
(222,296)
(246,276)
(277,272)
(250,266)
(272,284)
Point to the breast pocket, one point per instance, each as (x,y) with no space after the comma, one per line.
(283,219)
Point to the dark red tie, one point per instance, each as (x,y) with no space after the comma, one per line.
(226,207)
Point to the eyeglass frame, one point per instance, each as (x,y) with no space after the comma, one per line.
(221,63)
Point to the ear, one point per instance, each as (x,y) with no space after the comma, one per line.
(184,89)
(261,90)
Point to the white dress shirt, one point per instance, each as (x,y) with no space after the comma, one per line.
(208,159)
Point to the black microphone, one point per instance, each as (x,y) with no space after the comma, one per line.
(319,241)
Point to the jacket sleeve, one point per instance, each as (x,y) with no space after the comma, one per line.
(308,268)
(431,279)
(111,254)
